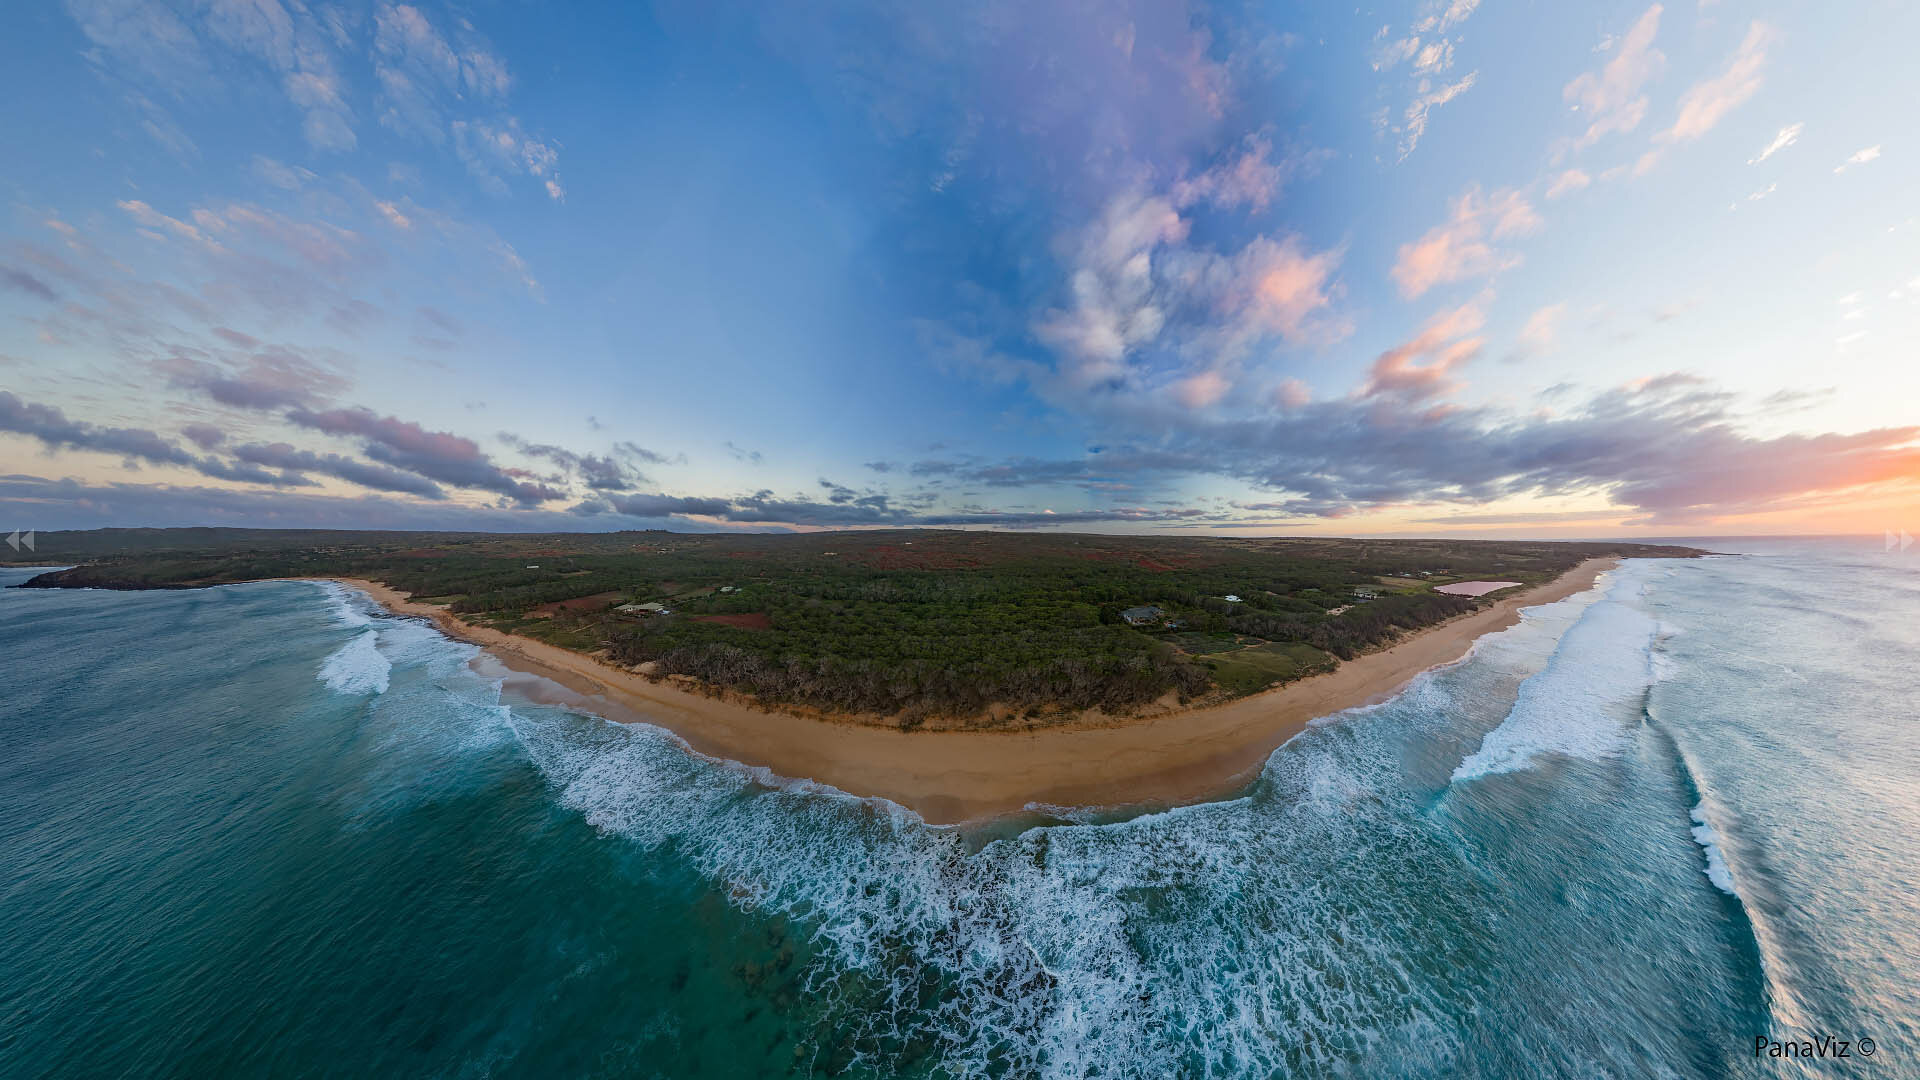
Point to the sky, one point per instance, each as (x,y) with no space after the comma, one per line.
(1461,268)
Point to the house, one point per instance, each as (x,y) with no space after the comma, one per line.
(728,589)
(1231,599)
(1145,615)
(1364,594)
(646,610)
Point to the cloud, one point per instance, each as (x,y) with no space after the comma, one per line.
(1786,137)
(424,77)
(71,504)
(1292,394)
(1541,330)
(1115,302)
(608,473)
(1429,54)
(1201,390)
(1859,157)
(635,452)
(272,377)
(440,455)
(1669,448)
(1612,98)
(489,150)
(1447,342)
(1567,183)
(1462,247)
(145,41)
(205,436)
(1246,178)
(281,175)
(1707,101)
(1074,103)
(52,428)
(55,431)
(1136,287)
(1420,110)
(376,477)
(667,505)
(21,281)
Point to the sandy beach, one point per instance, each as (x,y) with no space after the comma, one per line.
(950,777)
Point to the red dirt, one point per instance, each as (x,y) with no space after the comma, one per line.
(751,621)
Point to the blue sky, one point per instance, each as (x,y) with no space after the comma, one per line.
(1414,268)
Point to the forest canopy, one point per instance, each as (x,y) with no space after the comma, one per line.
(907,625)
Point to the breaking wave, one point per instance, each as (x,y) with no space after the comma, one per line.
(357,667)
(1581,703)
(1709,842)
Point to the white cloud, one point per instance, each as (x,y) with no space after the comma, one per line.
(1421,108)
(1137,291)
(1787,137)
(1429,52)
(1859,157)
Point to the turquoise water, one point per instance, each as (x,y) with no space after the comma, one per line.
(265,830)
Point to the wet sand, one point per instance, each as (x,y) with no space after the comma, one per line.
(950,777)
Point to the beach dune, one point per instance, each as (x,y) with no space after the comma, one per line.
(950,777)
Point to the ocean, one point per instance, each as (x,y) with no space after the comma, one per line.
(267,830)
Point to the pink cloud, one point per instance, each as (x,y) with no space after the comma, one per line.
(1703,105)
(1284,285)
(1462,247)
(1611,97)
(1568,182)
(1447,341)
(1202,390)
(1292,394)
(1248,179)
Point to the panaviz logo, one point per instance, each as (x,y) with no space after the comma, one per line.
(19,542)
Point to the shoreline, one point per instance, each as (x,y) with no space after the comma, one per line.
(973,777)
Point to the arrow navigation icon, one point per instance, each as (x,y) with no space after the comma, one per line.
(13,540)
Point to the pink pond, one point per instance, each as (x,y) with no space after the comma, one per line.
(1473,588)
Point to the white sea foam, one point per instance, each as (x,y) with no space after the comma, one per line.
(347,606)
(1709,841)
(357,667)
(1580,703)
(1050,966)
